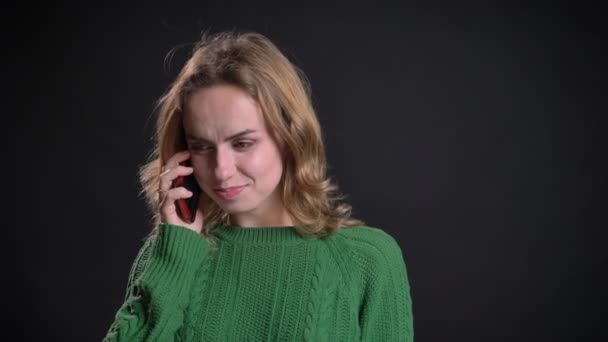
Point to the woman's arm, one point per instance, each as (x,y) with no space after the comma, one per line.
(386,311)
(159,286)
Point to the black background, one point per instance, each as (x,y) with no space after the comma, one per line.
(473,135)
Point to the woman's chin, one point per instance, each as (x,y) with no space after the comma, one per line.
(231,207)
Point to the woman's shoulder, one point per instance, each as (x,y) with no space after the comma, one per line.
(367,237)
(366,255)
(371,244)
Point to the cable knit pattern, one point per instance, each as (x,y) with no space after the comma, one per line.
(194,311)
(266,284)
(313,304)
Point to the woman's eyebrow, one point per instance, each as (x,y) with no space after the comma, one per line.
(234,136)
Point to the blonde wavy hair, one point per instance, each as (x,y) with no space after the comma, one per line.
(253,63)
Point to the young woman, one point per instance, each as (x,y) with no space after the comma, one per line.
(269,254)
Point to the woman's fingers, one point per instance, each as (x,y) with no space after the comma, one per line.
(175,159)
(167,199)
(170,174)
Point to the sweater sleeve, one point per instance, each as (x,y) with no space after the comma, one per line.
(159,286)
(386,310)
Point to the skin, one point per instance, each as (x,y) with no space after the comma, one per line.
(220,160)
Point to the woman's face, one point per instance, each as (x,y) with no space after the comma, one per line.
(235,160)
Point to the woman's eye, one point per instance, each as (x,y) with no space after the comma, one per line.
(199,147)
(243,144)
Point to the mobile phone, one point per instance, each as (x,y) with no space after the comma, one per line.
(186,207)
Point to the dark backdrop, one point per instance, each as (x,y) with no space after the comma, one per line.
(472,135)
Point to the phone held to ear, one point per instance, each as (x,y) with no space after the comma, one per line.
(186,207)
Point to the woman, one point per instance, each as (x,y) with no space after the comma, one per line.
(269,254)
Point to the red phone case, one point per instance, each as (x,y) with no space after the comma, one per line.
(186,207)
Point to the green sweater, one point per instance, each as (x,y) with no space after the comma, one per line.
(266,284)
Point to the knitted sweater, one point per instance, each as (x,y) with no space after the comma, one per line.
(266,284)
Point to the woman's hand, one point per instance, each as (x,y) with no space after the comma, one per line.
(168,194)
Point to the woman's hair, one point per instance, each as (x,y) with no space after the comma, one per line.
(254,64)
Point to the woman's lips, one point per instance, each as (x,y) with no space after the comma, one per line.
(230,193)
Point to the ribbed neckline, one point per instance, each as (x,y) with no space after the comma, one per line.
(257,235)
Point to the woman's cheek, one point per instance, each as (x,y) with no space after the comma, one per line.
(252,160)
(201,170)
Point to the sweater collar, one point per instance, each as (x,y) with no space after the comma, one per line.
(258,235)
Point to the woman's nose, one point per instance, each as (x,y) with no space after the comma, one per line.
(224,164)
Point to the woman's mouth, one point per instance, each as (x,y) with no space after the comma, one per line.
(229,193)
